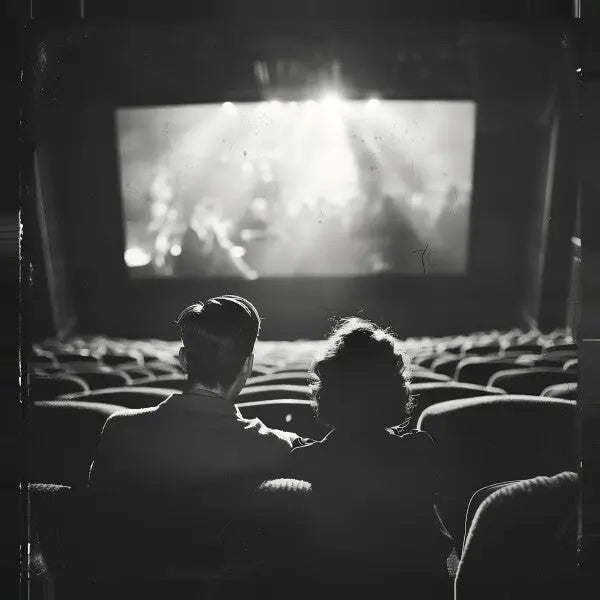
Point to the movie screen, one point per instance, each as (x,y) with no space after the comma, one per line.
(327,187)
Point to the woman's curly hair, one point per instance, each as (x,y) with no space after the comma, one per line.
(361,378)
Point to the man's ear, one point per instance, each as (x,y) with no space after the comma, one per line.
(183,359)
(249,365)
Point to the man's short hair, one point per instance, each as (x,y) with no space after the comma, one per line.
(218,335)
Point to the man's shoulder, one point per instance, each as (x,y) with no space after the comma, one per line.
(129,417)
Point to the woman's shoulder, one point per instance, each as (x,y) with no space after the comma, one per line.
(414,440)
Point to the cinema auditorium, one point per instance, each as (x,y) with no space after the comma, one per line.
(253,247)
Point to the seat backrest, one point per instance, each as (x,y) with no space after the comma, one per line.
(98,379)
(176,382)
(77,357)
(428,394)
(161,368)
(571,365)
(285,377)
(479,370)
(62,437)
(523,542)
(107,536)
(48,387)
(419,376)
(117,359)
(525,348)
(566,391)
(485,440)
(275,392)
(290,415)
(530,381)
(427,360)
(124,397)
(476,501)
(136,372)
(446,365)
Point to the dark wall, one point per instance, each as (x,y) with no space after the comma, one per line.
(84,75)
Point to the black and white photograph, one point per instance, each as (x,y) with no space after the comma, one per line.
(303,301)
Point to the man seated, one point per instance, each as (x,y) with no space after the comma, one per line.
(197,437)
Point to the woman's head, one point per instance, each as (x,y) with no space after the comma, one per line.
(361,378)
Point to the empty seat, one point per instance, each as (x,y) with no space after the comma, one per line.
(446,365)
(291,415)
(301,365)
(67,357)
(530,381)
(162,368)
(477,500)
(523,542)
(571,366)
(62,437)
(285,377)
(258,370)
(422,376)
(275,392)
(482,441)
(428,394)
(481,349)
(529,348)
(567,391)
(176,382)
(116,359)
(101,377)
(480,370)
(48,387)
(562,347)
(41,357)
(136,372)
(125,397)
(545,360)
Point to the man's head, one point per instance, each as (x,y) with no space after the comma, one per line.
(218,341)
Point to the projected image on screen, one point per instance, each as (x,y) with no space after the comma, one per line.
(328,188)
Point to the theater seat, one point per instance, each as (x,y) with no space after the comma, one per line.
(275,392)
(428,359)
(125,397)
(566,391)
(74,357)
(43,358)
(110,545)
(136,372)
(48,387)
(62,438)
(114,359)
(446,365)
(161,368)
(531,381)
(290,415)
(571,366)
(428,394)
(477,500)
(526,348)
(422,376)
(102,377)
(482,441)
(284,377)
(175,382)
(480,370)
(522,543)
(258,370)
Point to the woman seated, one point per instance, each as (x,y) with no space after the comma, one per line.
(373,519)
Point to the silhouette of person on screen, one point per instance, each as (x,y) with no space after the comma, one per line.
(206,249)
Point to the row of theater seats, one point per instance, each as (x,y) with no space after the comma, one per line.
(490,400)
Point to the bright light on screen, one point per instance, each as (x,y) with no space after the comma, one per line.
(322,187)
